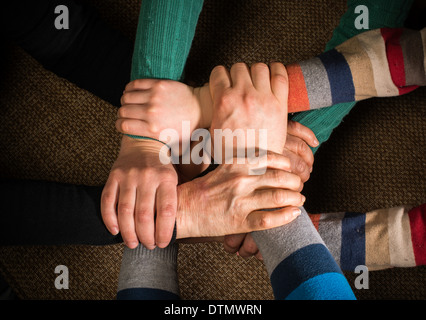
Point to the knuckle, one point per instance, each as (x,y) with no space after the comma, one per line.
(118,125)
(281,78)
(250,100)
(239,65)
(143,215)
(302,147)
(122,112)
(297,179)
(238,204)
(304,177)
(125,208)
(108,198)
(240,183)
(270,157)
(167,175)
(160,86)
(125,98)
(260,66)
(231,243)
(147,174)
(263,222)
(279,177)
(115,174)
(154,128)
(250,248)
(300,165)
(280,197)
(218,69)
(300,186)
(294,125)
(155,102)
(167,211)
(138,83)
(122,125)
(226,100)
(122,101)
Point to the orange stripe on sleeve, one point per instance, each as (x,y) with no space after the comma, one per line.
(297,94)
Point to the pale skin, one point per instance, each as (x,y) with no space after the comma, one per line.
(145,104)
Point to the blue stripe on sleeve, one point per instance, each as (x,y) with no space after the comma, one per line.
(302,265)
(339,75)
(145,294)
(327,286)
(352,252)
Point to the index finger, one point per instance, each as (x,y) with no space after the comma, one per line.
(279,82)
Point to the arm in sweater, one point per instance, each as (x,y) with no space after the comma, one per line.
(76,54)
(378,63)
(378,239)
(382,14)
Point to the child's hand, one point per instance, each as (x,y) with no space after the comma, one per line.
(139,187)
(150,106)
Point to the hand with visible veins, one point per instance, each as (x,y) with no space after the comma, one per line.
(229,200)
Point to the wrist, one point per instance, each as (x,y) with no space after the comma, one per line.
(145,145)
(186,223)
(205,104)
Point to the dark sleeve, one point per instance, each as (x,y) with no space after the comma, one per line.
(52,213)
(90,54)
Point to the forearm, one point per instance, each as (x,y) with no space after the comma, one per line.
(76,54)
(378,239)
(299,264)
(163,38)
(377,63)
(382,13)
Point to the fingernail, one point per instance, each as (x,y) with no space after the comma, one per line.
(132,245)
(296,212)
(315,142)
(114,231)
(162,244)
(303,199)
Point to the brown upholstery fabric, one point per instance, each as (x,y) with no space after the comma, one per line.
(52,130)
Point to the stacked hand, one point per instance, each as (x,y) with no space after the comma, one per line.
(141,199)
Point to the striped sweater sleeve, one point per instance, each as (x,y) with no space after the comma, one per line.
(377,63)
(299,264)
(378,239)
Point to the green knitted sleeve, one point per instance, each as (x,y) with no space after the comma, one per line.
(164,36)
